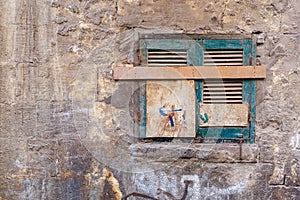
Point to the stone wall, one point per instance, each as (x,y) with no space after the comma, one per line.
(66,127)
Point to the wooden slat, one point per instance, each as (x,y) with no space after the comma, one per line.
(167,60)
(163,64)
(189,72)
(222,64)
(224,60)
(167,56)
(167,52)
(222,97)
(222,89)
(221,84)
(213,101)
(222,51)
(225,114)
(222,55)
(224,93)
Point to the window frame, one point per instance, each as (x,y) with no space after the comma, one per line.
(195,49)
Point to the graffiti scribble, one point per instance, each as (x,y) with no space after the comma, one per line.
(205,118)
(160,191)
(172,120)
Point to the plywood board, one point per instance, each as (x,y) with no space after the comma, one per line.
(224,115)
(170,108)
(189,72)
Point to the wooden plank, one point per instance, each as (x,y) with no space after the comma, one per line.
(224,115)
(189,72)
(170,109)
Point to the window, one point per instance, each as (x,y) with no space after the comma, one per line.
(215,100)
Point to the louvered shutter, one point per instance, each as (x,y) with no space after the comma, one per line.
(226,102)
(170,105)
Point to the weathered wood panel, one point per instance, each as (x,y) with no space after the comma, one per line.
(170,109)
(189,72)
(224,115)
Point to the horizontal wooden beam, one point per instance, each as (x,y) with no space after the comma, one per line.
(189,72)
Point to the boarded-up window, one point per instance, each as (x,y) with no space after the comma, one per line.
(217,109)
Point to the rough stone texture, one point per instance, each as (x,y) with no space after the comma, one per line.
(222,153)
(67,130)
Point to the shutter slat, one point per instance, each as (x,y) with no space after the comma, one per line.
(223,55)
(170,61)
(222,64)
(223,51)
(222,97)
(167,56)
(165,52)
(222,101)
(224,93)
(222,89)
(210,59)
(164,64)
(222,84)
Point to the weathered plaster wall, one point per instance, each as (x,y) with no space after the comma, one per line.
(66,129)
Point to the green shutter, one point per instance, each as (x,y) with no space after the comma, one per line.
(230,133)
(153,55)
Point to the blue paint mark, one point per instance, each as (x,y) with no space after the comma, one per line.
(161,111)
(170,114)
(177,110)
(183,117)
(171,120)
